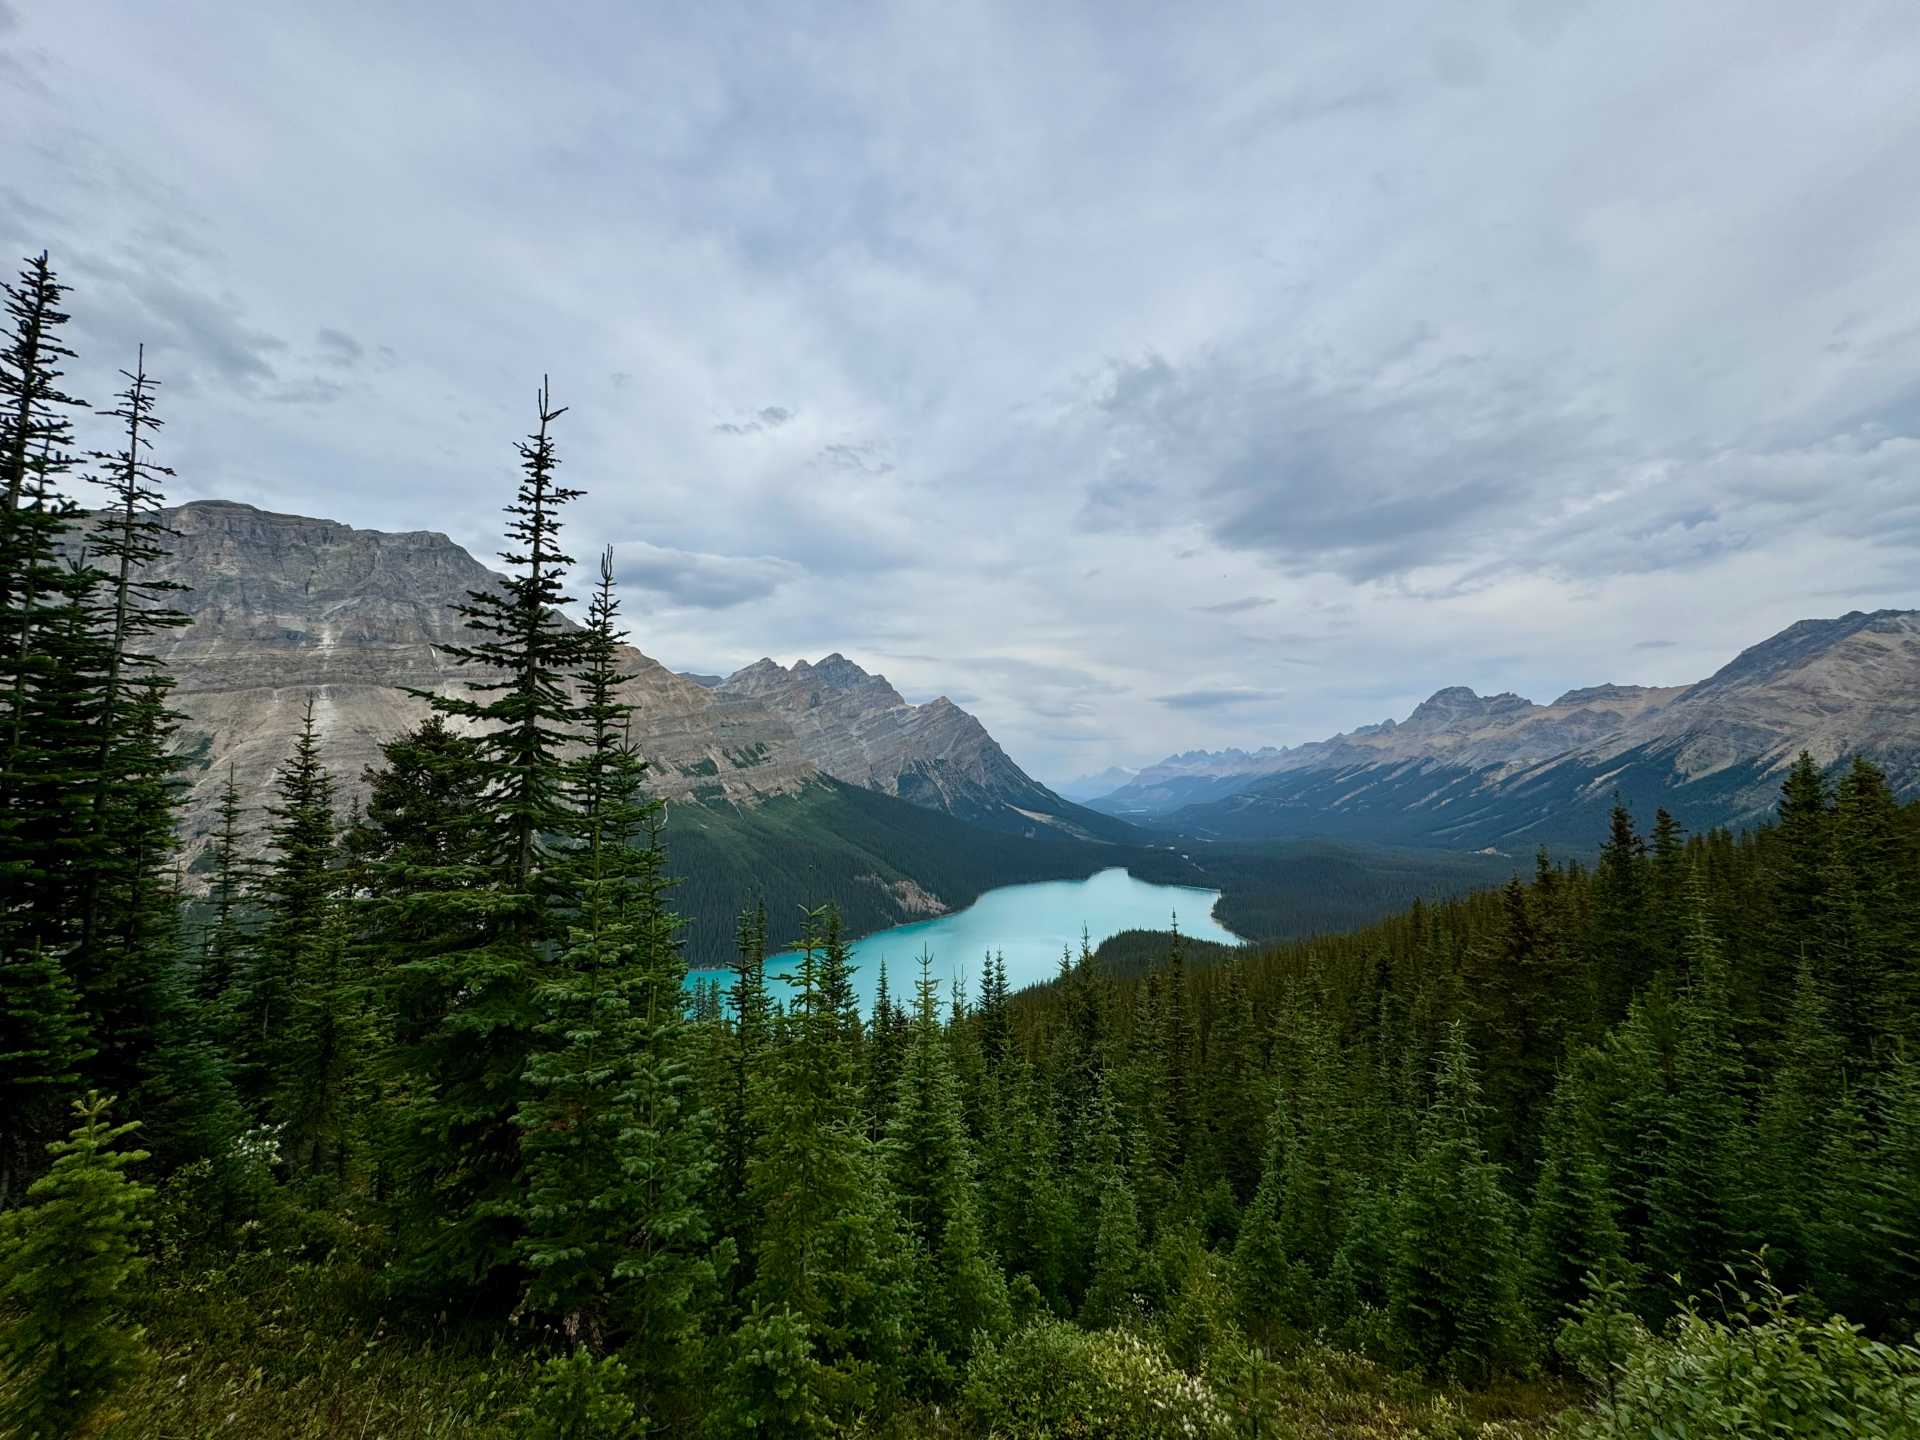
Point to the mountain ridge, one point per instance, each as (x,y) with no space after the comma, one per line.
(1495,769)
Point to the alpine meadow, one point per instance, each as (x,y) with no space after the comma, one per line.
(425,1011)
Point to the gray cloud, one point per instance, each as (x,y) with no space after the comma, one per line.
(707,582)
(769,417)
(1402,461)
(338,348)
(1217,699)
(1237,607)
(1654,644)
(868,459)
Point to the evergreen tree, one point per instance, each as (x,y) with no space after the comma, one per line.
(1699,1204)
(748,1038)
(67,1262)
(47,646)
(480,914)
(1115,1291)
(1456,1273)
(127,538)
(827,1243)
(1622,954)
(224,945)
(42,1047)
(125,974)
(299,895)
(1573,1229)
(1026,1207)
(930,1160)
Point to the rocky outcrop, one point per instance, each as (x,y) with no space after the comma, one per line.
(856,727)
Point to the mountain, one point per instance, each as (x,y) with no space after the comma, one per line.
(1500,771)
(1188,779)
(857,728)
(286,608)
(1083,788)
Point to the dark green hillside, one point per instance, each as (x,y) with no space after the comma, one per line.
(1286,889)
(856,848)
(1561,804)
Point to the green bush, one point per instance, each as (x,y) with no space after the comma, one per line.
(1769,1371)
(581,1397)
(68,1259)
(1053,1379)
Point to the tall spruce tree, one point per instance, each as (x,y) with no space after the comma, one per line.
(484,926)
(127,538)
(299,895)
(48,650)
(930,1159)
(617,1150)
(1455,1285)
(827,1241)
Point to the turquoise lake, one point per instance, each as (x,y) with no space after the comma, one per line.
(1029,924)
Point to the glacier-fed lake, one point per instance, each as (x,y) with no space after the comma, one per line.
(1028,924)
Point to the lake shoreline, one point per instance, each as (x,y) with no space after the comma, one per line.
(1026,925)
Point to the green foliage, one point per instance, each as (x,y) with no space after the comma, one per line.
(1455,1284)
(42,1046)
(470,915)
(930,1164)
(772,1384)
(1765,1370)
(827,1242)
(581,1396)
(68,1262)
(1053,1379)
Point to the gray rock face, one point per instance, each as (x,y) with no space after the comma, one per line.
(856,727)
(1831,687)
(284,607)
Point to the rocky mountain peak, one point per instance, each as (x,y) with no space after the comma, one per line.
(1458,705)
(1804,643)
(1599,694)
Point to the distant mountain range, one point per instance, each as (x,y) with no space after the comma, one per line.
(1500,771)
(1090,787)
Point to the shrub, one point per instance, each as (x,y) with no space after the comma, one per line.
(1769,1371)
(1053,1379)
(581,1397)
(68,1258)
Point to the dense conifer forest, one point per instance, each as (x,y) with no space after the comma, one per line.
(410,1125)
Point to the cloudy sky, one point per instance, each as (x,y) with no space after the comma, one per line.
(1143,377)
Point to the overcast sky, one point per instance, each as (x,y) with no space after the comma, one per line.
(1142,377)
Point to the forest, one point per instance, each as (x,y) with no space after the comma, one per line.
(409,1125)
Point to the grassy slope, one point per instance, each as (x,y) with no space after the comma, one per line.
(287,1347)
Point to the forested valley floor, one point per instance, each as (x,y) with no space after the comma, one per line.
(408,1126)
